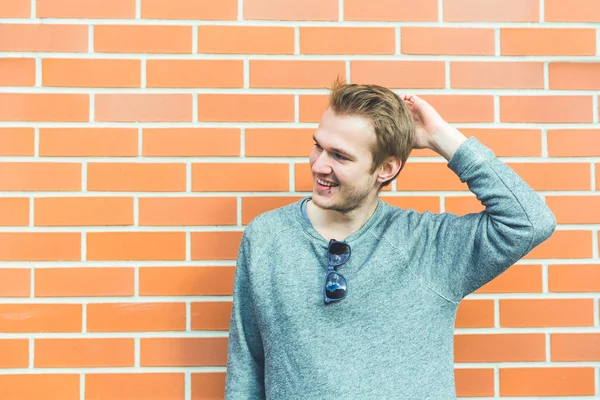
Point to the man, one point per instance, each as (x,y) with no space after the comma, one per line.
(341,296)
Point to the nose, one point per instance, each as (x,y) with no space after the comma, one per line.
(320,165)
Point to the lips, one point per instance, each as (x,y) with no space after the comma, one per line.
(325,185)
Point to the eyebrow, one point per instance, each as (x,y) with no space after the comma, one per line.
(337,150)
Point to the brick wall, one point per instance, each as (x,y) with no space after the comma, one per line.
(139,137)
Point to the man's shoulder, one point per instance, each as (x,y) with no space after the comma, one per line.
(275,220)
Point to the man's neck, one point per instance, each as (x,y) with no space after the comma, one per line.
(336,225)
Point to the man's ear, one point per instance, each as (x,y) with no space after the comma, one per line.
(389,169)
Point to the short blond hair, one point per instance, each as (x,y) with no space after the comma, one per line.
(391,119)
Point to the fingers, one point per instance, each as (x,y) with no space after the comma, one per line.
(409,98)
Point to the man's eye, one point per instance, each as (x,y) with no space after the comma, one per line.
(317,146)
(339,156)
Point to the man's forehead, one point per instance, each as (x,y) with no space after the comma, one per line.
(346,131)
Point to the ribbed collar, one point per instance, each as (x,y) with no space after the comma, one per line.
(354,237)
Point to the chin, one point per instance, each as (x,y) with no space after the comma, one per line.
(326,202)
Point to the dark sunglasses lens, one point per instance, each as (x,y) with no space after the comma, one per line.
(335,287)
(338,253)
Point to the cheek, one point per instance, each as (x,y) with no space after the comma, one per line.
(313,157)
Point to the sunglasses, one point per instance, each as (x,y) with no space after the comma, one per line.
(335,284)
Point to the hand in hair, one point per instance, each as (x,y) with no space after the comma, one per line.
(431,131)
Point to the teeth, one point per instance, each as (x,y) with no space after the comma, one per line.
(324,183)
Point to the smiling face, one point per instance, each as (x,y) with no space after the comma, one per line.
(341,163)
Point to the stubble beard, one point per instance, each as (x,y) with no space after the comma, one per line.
(348,202)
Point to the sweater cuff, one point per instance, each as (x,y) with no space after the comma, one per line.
(469,153)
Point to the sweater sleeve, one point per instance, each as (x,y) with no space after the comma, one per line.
(471,250)
(245,359)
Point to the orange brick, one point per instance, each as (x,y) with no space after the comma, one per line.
(574,278)
(40,386)
(547,42)
(14,282)
(17,141)
(457,41)
(253,206)
(574,76)
(84,282)
(38,318)
(14,211)
(189,9)
(503,142)
(345,40)
(143,108)
(417,203)
(547,381)
(564,244)
(140,177)
(142,39)
(44,107)
(83,211)
(294,74)
(15,353)
(575,347)
(463,108)
(135,317)
(208,385)
(546,313)
(391,10)
(85,9)
(500,348)
(180,352)
(282,142)
(497,75)
(575,209)
(517,279)
(83,353)
(400,74)
(245,108)
(439,178)
(195,73)
(285,10)
(546,109)
(304,179)
(474,382)
(554,176)
(15,9)
(463,205)
(211,316)
(312,107)
(186,211)
(17,71)
(215,245)
(475,314)
(574,143)
(136,246)
(40,246)
(246,177)
(88,142)
(91,73)
(190,142)
(574,11)
(135,386)
(492,11)
(44,37)
(246,39)
(186,281)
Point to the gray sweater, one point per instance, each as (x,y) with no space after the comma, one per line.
(392,336)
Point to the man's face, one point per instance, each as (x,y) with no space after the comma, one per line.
(341,162)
